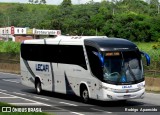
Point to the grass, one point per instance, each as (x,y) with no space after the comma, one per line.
(154,69)
(9,47)
(148,48)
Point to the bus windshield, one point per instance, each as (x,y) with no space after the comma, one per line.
(122,67)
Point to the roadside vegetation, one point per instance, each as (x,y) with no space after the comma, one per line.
(9,47)
(135,20)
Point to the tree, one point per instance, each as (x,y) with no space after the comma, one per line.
(66,3)
(37,1)
(42,1)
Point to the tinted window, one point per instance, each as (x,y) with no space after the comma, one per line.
(94,62)
(72,55)
(54,53)
(39,52)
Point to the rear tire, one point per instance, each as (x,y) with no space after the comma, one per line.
(38,87)
(85,95)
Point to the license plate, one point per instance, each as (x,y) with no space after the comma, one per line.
(127,96)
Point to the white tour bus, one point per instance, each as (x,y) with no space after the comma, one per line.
(93,67)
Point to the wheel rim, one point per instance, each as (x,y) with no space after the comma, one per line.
(85,95)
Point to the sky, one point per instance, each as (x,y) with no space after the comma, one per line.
(55,2)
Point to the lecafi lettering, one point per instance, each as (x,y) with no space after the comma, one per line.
(42,67)
(127,86)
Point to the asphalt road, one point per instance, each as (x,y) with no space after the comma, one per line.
(13,92)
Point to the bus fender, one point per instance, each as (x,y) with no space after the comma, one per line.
(84,83)
(38,78)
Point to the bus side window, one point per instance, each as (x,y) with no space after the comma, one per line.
(71,54)
(95,63)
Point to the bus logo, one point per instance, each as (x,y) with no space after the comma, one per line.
(126,86)
(42,67)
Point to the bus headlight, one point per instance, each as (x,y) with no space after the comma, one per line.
(141,86)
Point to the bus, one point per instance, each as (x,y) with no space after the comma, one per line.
(91,67)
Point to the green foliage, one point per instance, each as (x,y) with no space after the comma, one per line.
(37,1)
(156,46)
(66,3)
(10,47)
(148,48)
(135,20)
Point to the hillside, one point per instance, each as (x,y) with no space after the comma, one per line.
(131,19)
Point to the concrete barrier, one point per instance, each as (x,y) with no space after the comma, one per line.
(10,67)
(152,84)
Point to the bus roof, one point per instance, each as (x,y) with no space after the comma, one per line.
(111,44)
(68,40)
(102,43)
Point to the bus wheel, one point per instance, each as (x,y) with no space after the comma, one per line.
(85,95)
(38,87)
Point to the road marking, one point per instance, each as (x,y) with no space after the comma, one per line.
(26,104)
(19,93)
(34,102)
(77,113)
(10,74)
(40,98)
(8,94)
(100,110)
(3,90)
(97,110)
(10,80)
(8,97)
(68,103)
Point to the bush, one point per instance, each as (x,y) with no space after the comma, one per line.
(156,46)
(10,47)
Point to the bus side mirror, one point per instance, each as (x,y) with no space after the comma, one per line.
(148,59)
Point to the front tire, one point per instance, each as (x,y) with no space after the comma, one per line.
(85,95)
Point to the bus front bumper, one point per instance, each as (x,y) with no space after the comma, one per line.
(109,95)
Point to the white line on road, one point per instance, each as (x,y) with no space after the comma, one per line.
(8,94)
(40,98)
(10,80)
(10,74)
(27,104)
(97,110)
(77,113)
(19,93)
(3,90)
(34,102)
(8,97)
(68,103)
(100,110)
